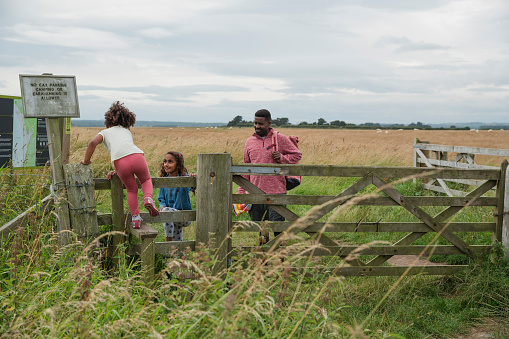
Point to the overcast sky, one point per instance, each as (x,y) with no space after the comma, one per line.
(387,61)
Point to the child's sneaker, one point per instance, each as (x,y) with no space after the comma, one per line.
(151,207)
(136,221)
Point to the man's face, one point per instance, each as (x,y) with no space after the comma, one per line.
(261,126)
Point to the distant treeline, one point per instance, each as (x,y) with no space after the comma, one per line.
(141,123)
(504,127)
(321,123)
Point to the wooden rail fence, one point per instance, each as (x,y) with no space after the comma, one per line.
(213,214)
(440,156)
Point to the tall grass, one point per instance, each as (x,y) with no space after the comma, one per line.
(47,291)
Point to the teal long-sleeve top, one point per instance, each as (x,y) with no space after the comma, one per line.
(176,197)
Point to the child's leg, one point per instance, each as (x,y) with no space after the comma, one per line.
(143,174)
(125,171)
(168,226)
(178,232)
(140,168)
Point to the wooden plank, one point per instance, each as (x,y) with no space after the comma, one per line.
(178,216)
(80,194)
(147,258)
(66,139)
(214,205)
(164,247)
(286,199)
(501,196)
(102,184)
(419,213)
(385,172)
(118,219)
(371,227)
(469,182)
(464,149)
(440,181)
(157,182)
(167,247)
(145,231)
(46,205)
(380,271)
(505,218)
(57,175)
(344,251)
(455,164)
(431,187)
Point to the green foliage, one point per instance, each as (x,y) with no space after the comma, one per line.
(47,291)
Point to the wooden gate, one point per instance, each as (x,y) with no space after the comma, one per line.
(438,156)
(438,224)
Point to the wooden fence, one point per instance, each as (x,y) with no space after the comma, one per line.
(213,214)
(215,176)
(440,156)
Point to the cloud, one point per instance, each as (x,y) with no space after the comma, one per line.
(368,60)
(156,33)
(406,45)
(75,37)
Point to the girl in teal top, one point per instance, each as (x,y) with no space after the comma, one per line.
(174,198)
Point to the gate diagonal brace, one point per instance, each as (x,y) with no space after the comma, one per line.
(441,217)
(426,218)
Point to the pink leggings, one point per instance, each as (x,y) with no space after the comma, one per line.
(126,168)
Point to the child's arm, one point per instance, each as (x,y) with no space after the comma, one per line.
(161,199)
(91,148)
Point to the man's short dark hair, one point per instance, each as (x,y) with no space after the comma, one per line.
(263,113)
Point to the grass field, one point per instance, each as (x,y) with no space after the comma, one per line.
(50,292)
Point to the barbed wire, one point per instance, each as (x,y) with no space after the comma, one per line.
(20,174)
(41,186)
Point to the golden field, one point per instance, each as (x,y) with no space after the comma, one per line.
(319,146)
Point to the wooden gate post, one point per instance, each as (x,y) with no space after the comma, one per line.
(118,219)
(79,183)
(54,132)
(503,233)
(214,205)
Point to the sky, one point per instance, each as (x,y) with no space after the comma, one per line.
(391,61)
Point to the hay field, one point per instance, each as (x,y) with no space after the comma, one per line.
(322,146)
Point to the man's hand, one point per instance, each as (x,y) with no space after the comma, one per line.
(276,155)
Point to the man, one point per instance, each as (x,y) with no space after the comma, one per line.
(260,149)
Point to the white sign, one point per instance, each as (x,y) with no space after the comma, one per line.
(49,96)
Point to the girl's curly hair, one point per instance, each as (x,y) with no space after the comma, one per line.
(119,115)
(179,158)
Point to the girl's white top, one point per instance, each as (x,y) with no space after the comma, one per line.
(119,142)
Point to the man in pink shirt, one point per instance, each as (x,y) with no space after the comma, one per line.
(260,149)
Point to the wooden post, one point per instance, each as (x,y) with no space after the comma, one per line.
(57,173)
(214,205)
(66,139)
(497,236)
(117,211)
(147,257)
(504,232)
(79,182)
